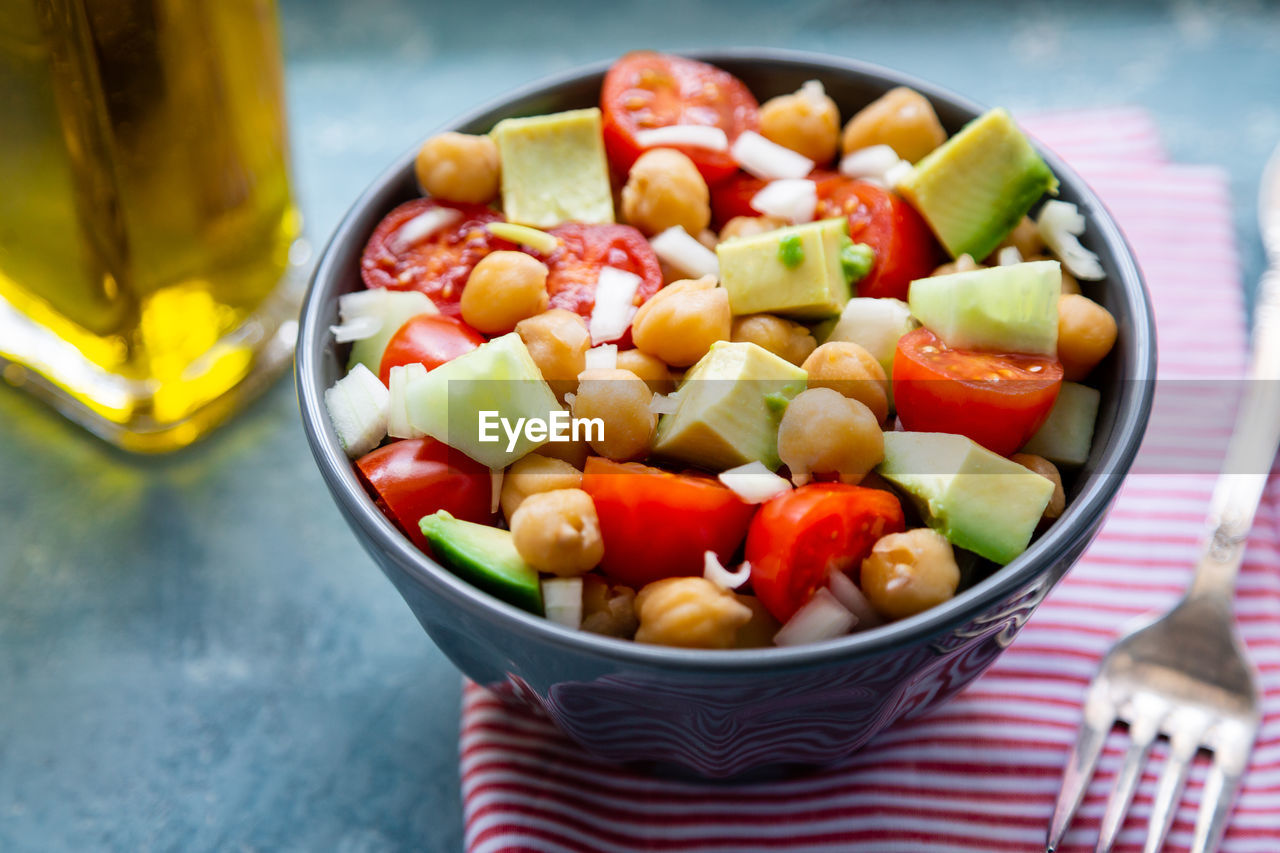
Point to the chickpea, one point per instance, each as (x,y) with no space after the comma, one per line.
(503,289)
(607,608)
(1049,471)
(807,122)
(558,341)
(532,475)
(458,167)
(964,263)
(758,633)
(749,226)
(907,573)
(681,321)
(558,532)
(1069,283)
(824,432)
(690,612)
(901,118)
(1086,333)
(783,338)
(664,189)
(652,370)
(849,369)
(621,400)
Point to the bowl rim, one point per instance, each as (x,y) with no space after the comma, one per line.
(1081,516)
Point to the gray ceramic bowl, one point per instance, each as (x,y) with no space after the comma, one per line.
(724,713)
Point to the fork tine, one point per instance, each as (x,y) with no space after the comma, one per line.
(1098,719)
(1215,804)
(1142,732)
(1183,745)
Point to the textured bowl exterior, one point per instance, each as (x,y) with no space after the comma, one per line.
(729,713)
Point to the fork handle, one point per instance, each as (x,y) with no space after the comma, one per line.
(1250,452)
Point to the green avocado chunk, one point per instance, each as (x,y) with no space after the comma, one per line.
(1067,434)
(465,402)
(1011,308)
(728,408)
(978,184)
(485,557)
(795,270)
(554,169)
(979,500)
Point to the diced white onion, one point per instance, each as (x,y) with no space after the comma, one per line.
(768,160)
(356,329)
(715,572)
(364,313)
(562,601)
(402,375)
(690,135)
(603,357)
(812,90)
(614,308)
(822,618)
(870,162)
(897,173)
(678,248)
(569,398)
(1060,224)
(495,488)
(1008,256)
(357,405)
(423,226)
(848,594)
(664,404)
(754,483)
(792,199)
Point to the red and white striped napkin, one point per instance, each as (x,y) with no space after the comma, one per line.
(981,773)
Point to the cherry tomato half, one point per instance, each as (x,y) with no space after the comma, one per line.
(438,265)
(996,399)
(905,247)
(415,477)
(574,266)
(798,537)
(645,90)
(428,339)
(657,525)
(732,197)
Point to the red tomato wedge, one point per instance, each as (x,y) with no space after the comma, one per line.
(999,400)
(575,265)
(657,525)
(798,537)
(430,340)
(438,265)
(415,477)
(645,90)
(905,247)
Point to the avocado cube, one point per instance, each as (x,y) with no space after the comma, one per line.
(728,408)
(1067,434)
(979,500)
(554,169)
(976,186)
(794,270)
(1009,308)
(484,556)
(471,402)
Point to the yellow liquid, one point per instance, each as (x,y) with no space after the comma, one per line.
(146,221)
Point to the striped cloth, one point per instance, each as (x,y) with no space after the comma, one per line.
(981,773)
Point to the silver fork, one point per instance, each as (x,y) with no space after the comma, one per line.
(1184,675)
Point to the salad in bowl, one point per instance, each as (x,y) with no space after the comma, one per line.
(688,369)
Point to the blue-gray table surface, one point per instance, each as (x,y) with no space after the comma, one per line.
(194,652)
